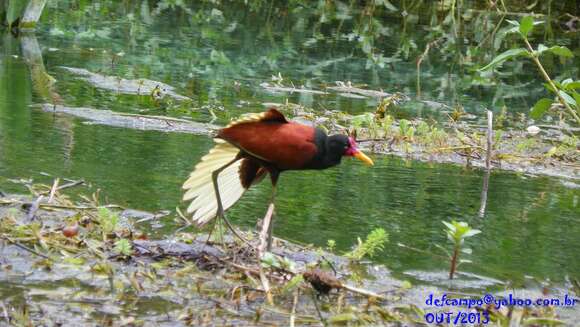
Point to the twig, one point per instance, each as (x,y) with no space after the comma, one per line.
(317,309)
(362,291)
(71,184)
(53,190)
(293,312)
(60,206)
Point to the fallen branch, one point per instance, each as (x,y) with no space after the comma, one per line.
(53,190)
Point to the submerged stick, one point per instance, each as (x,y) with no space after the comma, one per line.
(489,139)
(487,164)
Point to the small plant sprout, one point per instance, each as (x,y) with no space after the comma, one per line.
(272,261)
(457,232)
(123,247)
(108,221)
(331,245)
(374,243)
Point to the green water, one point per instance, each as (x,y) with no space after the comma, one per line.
(218,57)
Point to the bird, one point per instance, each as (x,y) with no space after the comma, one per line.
(251,147)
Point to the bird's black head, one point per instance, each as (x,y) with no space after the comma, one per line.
(337,146)
(332,148)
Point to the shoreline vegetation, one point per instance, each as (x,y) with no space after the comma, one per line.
(548,150)
(85,261)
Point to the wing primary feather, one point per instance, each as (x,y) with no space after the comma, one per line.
(199,186)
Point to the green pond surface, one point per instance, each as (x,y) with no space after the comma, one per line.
(218,57)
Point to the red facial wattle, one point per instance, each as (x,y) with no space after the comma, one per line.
(353,151)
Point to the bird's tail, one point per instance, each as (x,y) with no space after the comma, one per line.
(199,186)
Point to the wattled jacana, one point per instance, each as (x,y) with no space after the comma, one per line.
(249,148)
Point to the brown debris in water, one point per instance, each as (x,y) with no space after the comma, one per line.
(322,281)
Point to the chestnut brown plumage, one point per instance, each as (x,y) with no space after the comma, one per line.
(253,146)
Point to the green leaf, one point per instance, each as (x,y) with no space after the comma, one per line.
(448,225)
(572,85)
(2,10)
(562,51)
(526,26)
(292,284)
(389,5)
(513,22)
(269,260)
(569,100)
(74,261)
(577,98)
(366,46)
(343,318)
(542,48)
(509,54)
(540,108)
(471,233)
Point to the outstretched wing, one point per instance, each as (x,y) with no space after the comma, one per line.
(271,115)
(233,181)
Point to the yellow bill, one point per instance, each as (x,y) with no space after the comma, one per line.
(364,158)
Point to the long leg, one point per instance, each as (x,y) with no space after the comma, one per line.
(214,177)
(220,211)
